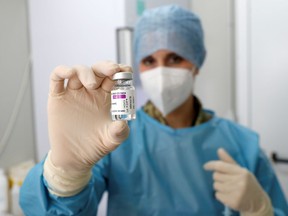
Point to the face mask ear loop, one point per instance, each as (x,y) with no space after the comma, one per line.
(193,70)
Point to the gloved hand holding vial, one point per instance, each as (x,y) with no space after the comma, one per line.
(81,130)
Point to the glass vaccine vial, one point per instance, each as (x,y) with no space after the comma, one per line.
(123,97)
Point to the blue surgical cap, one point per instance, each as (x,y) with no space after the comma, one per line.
(172,28)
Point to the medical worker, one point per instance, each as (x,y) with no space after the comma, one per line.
(175,159)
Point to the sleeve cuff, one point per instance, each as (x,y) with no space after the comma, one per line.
(64,183)
(266,210)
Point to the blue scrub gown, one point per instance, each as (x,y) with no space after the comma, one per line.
(159,171)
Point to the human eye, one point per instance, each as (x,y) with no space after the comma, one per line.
(148,61)
(174,59)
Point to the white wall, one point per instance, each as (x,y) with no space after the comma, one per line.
(269,77)
(16,116)
(269,70)
(262,68)
(215,82)
(134,8)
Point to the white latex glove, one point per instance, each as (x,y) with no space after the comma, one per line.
(81,131)
(237,188)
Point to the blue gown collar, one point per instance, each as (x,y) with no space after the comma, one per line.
(212,121)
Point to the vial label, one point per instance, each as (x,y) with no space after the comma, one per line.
(122,102)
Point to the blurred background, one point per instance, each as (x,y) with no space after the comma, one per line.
(244,78)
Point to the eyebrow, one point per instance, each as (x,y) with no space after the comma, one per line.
(147,57)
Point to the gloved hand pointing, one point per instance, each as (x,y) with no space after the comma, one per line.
(238,188)
(81,131)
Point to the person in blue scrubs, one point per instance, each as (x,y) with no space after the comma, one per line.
(176,158)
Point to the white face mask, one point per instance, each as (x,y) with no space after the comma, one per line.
(167,87)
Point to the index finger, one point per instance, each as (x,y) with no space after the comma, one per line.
(221,166)
(104,69)
(225,156)
(108,83)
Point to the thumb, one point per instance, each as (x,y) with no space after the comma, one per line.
(224,156)
(118,131)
